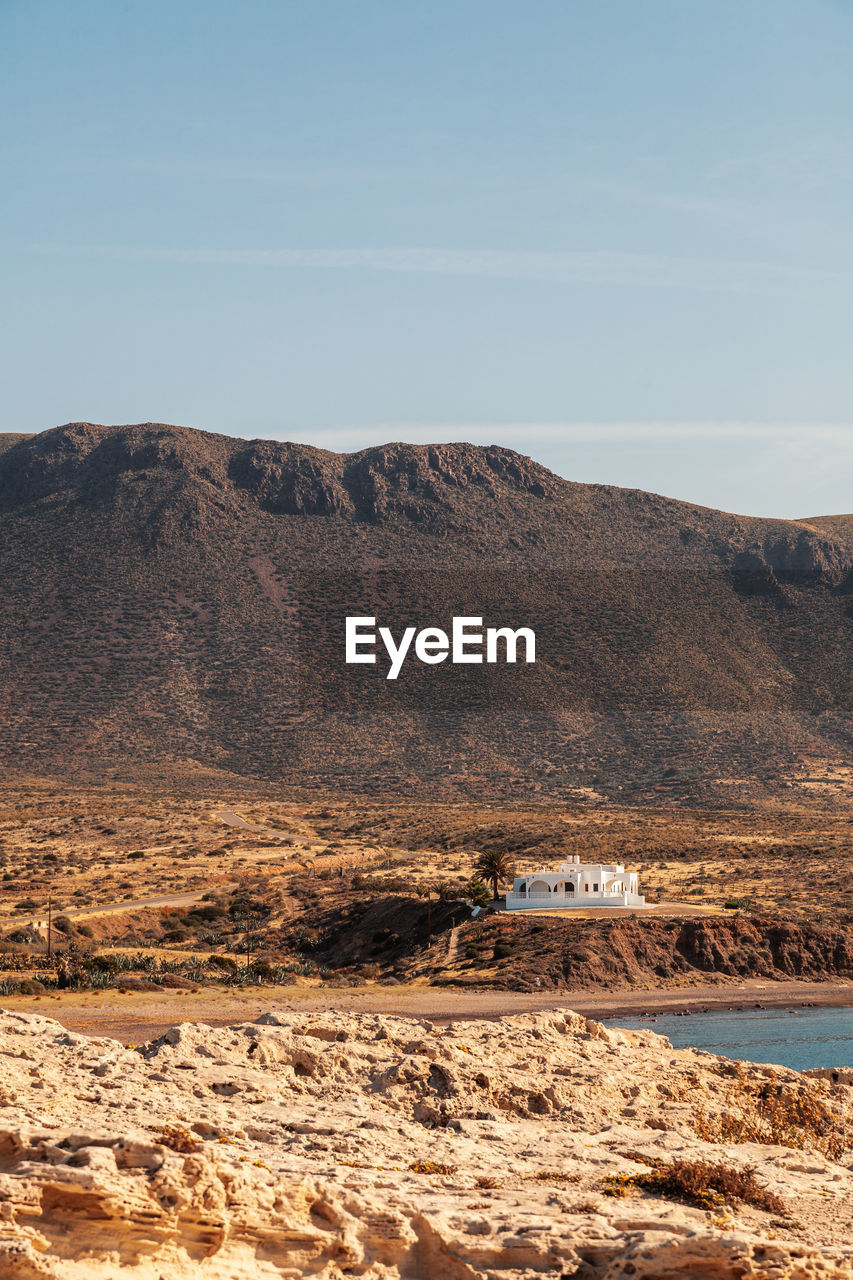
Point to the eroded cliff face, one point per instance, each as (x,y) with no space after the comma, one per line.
(516,951)
(386,1148)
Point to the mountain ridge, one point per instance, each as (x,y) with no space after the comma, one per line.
(413,482)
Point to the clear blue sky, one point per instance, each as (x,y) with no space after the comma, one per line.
(614,234)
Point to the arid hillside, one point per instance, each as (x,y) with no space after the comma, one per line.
(174,601)
(351,894)
(10,438)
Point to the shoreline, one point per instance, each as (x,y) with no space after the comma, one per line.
(144,1016)
(748,995)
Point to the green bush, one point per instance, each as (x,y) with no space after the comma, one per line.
(477,892)
(204,915)
(30,987)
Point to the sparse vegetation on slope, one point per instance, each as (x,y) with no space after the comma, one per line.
(174,601)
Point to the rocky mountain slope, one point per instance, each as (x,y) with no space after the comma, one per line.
(10,438)
(174,599)
(390,1149)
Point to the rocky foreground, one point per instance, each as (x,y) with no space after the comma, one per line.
(363,1145)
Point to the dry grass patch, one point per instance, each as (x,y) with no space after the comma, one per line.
(776,1114)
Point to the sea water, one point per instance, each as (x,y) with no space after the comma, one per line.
(798,1038)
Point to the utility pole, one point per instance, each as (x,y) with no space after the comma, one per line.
(429,920)
(49,923)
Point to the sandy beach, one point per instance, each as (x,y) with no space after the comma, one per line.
(139,1016)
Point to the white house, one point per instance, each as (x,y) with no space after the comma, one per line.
(576,884)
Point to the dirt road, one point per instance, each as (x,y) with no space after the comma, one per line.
(232,819)
(106,908)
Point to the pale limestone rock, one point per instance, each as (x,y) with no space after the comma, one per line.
(306,1129)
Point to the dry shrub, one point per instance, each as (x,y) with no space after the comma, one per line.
(552,1175)
(698,1183)
(178,1139)
(431,1166)
(775,1114)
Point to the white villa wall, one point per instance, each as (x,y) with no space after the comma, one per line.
(574,884)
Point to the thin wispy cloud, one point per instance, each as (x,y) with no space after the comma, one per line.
(727,210)
(189,169)
(597,267)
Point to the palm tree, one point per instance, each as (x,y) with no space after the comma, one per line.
(494,866)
